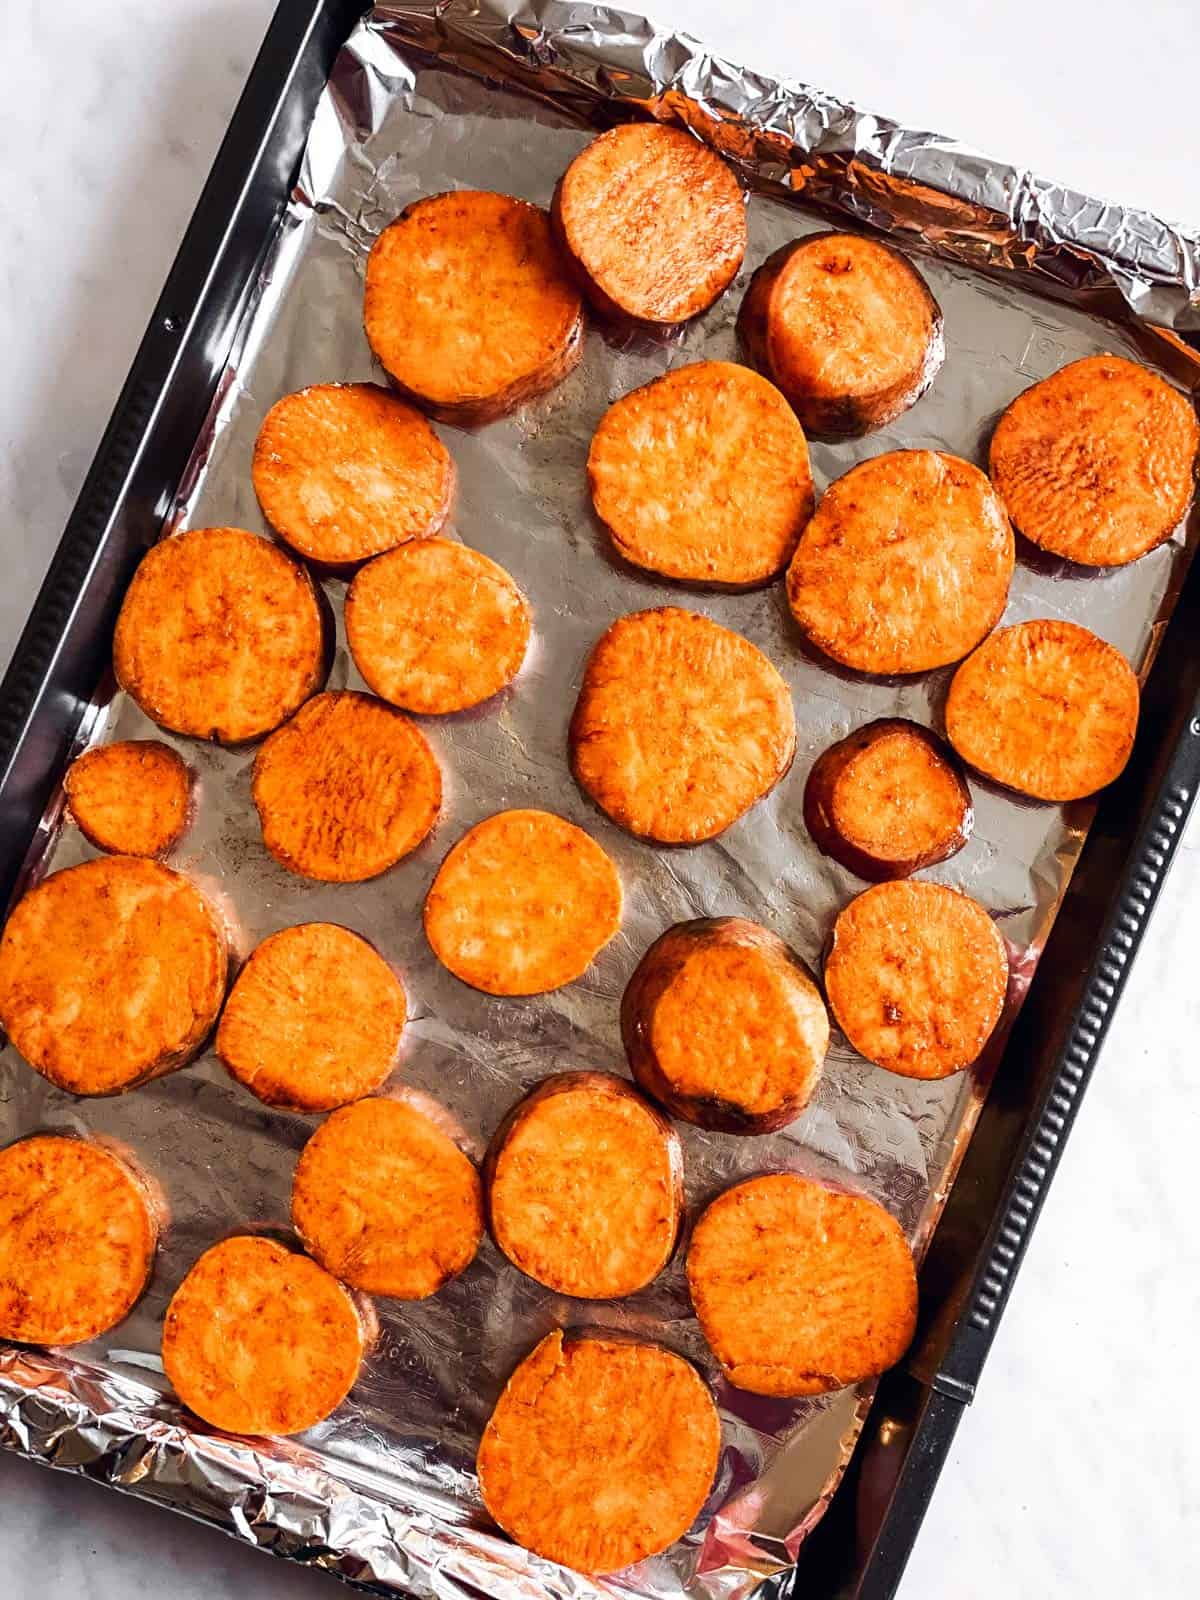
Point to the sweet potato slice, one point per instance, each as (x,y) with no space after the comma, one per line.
(916,977)
(111,972)
(800,1288)
(680,726)
(522,904)
(345,789)
(221,635)
(133,798)
(1045,708)
(470,306)
(905,566)
(386,1201)
(654,222)
(888,799)
(600,1452)
(1097,463)
(344,471)
(259,1339)
(585,1187)
(724,1026)
(703,475)
(314,1019)
(436,627)
(848,330)
(77,1239)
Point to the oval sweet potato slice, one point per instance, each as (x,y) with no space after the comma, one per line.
(133,798)
(522,904)
(344,471)
(888,799)
(1098,462)
(259,1339)
(436,627)
(470,306)
(345,789)
(1046,708)
(386,1201)
(600,1452)
(111,972)
(314,1019)
(585,1187)
(848,330)
(724,1026)
(680,726)
(221,635)
(77,1240)
(905,566)
(654,222)
(703,475)
(800,1288)
(916,977)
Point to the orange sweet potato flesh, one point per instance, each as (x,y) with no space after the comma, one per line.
(600,1452)
(916,977)
(680,726)
(258,1339)
(133,798)
(585,1187)
(724,1026)
(314,1019)
(345,789)
(654,222)
(905,566)
(703,476)
(800,1288)
(1097,463)
(470,306)
(344,471)
(386,1201)
(1046,708)
(77,1240)
(111,973)
(221,635)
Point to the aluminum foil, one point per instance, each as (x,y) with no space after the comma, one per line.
(424,98)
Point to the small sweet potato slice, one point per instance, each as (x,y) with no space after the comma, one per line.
(703,475)
(654,222)
(111,973)
(848,330)
(259,1339)
(345,789)
(314,1019)
(77,1240)
(1046,708)
(436,627)
(344,471)
(800,1288)
(470,306)
(680,726)
(585,1187)
(1098,462)
(906,564)
(600,1452)
(522,904)
(888,799)
(724,1026)
(221,635)
(916,977)
(133,798)
(386,1201)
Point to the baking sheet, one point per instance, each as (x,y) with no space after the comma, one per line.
(384,1490)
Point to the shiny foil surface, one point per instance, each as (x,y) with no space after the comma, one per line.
(492,95)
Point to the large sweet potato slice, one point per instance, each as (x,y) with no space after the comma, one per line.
(133,798)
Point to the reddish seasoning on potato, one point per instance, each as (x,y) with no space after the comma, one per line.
(132,798)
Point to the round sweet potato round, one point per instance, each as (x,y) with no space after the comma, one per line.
(133,798)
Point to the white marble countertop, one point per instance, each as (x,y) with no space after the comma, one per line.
(1076,1471)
